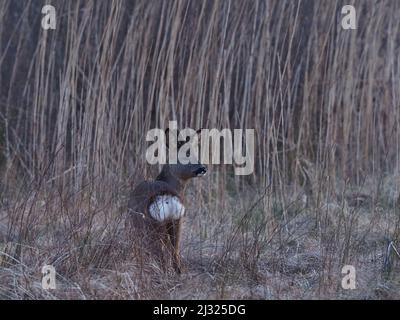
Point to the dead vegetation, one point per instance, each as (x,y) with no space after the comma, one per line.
(76,103)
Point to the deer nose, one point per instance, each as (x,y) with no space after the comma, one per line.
(201,171)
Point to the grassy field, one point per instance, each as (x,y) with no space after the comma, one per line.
(76,104)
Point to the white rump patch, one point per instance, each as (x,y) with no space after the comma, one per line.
(166,207)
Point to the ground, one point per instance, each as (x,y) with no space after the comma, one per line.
(249,246)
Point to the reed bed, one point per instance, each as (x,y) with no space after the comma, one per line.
(76,104)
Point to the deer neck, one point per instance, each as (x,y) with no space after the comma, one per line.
(175,183)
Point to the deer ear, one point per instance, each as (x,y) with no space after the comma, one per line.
(167,138)
(167,135)
(198,132)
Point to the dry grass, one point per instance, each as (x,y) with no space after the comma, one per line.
(76,103)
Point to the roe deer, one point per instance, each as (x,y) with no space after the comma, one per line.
(157,207)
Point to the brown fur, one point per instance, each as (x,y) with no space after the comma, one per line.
(162,239)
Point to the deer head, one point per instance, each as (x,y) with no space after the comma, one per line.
(179,173)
